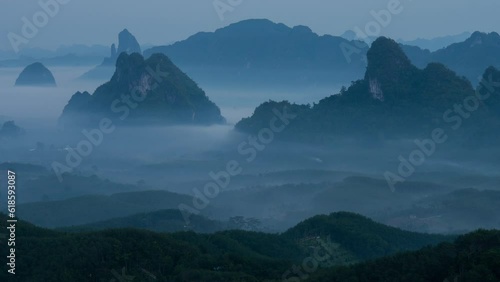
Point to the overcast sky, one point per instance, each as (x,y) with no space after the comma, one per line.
(165,21)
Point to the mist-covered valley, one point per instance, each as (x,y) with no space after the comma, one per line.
(257,151)
(279,183)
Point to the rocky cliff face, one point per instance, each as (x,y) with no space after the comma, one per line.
(143,92)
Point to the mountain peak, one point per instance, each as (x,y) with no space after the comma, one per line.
(480,38)
(387,63)
(167,96)
(128,43)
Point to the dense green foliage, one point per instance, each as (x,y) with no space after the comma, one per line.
(357,234)
(468,58)
(473,257)
(44,255)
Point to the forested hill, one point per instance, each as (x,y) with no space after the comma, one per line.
(473,257)
(187,256)
(166,95)
(395,99)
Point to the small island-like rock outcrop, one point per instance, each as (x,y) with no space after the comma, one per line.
(36,74)
(10,130)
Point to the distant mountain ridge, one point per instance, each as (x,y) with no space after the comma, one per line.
(468,58)
(434,44)
(261,44)
(250,51)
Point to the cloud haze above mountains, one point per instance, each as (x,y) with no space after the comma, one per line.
(162,22)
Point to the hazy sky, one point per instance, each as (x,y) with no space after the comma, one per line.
(164,21)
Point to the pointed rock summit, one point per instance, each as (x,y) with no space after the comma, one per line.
(387,63)
(36,75)
(143,92)
(127,43)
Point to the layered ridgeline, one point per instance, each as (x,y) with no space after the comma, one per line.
(261,48)
(126,43)
(36,74)
(468,58)
(395,99)
(152,91)
(236,255)
(437,43)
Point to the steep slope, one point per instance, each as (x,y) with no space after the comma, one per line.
(127,43)
(143,92)
(437,43)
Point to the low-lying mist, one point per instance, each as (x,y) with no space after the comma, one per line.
(277,182)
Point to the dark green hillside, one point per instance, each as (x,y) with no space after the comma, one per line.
(472,257)
(363,237)
(187,256)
